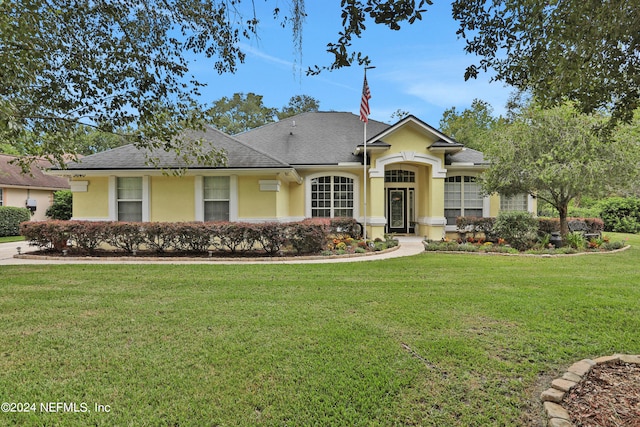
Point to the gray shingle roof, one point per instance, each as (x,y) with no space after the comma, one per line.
(318,138)
(239,155)
(468,155)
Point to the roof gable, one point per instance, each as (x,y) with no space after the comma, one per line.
(419,126)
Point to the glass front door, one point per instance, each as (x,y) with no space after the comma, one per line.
(400,210)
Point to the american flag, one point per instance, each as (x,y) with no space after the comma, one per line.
(364,104)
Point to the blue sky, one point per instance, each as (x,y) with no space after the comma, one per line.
(419,69)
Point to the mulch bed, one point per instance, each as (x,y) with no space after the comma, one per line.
(608,396)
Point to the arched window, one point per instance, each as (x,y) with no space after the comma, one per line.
(332,196)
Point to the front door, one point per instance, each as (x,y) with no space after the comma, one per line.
(398,210)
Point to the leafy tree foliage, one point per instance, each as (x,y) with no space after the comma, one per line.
(123,64)
(298,104)
(62,207)
(587,51)
(240,113)
(88,140)
(557,155)
(471,126)
(399,114)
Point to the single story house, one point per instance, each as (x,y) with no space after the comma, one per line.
(33,190)
(418,180)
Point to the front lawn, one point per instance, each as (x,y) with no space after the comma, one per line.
(9,239)
(435,339)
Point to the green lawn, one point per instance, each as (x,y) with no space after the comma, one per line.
(435,339)
(7,239)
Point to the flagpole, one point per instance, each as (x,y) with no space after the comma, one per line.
(365,119)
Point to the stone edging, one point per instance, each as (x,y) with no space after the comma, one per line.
(558,416)
(622,249)
(265,259)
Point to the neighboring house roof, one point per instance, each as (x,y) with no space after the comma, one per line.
(314,138)
(11,175)
(239,155)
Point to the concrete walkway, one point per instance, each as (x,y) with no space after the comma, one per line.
(409,245)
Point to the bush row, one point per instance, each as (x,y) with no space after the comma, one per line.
(309,236)
(10,219)
(485,225)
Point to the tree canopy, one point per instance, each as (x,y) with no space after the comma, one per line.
(587,51)
(559,154)
(471,126)
(243,112)
(123,64)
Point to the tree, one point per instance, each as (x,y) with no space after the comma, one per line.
(240,113)
(298,104)
(62,207)
(585,51)
(471,126)
(123,64)
(88,140)
(399,114)
(557,155)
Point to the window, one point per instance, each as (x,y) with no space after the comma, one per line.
(129,199)
(398,175)
(331,196)
(462,197)
(217,192)
(1,197)
(517,202)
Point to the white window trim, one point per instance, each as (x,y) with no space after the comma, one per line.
(486,202)
(356,191)
(233,198)
(113,198)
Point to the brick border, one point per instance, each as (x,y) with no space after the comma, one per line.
(557,416)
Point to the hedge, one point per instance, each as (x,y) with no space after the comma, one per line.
(485,225)
(309,236)
(621,214)
(10,219)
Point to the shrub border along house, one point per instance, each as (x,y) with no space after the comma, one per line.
(330,236)
(520,232)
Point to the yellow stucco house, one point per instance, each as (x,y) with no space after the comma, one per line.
(418,180)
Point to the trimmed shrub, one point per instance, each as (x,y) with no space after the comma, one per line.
(307,237)
(519,229)
(270,236)
(87,236)
(346,226)
(194,236)
(548,225)
(46,234)
(475,225)
(128,236)
(10,219)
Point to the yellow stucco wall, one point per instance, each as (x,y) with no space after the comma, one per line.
(296,200)
(172,198)
(94,203)
(253,203)
(408,139)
